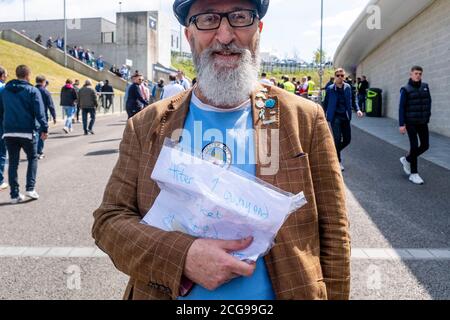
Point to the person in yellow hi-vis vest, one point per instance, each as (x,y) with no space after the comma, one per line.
(288,85)
(311,86)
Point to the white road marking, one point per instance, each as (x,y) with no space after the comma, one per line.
(357,253)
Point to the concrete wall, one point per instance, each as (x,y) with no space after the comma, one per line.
(163,40)
(58,56)
(136,41)
(424,41)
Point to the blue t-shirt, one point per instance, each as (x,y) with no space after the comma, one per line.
(228,137)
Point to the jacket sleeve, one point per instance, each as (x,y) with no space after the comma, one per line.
(140,97)
(2,112)
(331,203)
(39,110)
(146,254)
(94,98)
(402,108)
(327,99)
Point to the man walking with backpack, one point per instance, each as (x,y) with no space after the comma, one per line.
(414,116)
(22,116)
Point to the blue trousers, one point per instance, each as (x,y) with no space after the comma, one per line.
(14,145)
(2,160)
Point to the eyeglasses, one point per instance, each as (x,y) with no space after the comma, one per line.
(340,75)
(212,21)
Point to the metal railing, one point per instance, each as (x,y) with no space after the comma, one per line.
(108,103)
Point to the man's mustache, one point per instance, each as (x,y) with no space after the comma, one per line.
(225,48)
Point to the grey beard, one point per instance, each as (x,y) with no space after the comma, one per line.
(225,87)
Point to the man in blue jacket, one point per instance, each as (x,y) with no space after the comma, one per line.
(22,115)
(3,184)
(41,85)
(338,107)
(135,99)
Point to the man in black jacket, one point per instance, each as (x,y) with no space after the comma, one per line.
(41,84)
(22,116)
(107,95)
(362,87)
(414,116)
(136,102)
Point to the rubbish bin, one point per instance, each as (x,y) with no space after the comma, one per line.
(374,103)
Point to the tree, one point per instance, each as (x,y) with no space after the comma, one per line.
(317,56)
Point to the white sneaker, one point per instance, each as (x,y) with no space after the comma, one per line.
(19,199)
(416,179)
(342,167)
(33,195)
(66,130)
(406,166)
(4,186)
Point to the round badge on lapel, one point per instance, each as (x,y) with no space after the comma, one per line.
(260,104)
(270,103)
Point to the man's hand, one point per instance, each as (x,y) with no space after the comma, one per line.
(403,130)
(44,136)
(210,264)
(360,114)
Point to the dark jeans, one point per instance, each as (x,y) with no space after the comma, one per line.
(78,113)
(91,112)
(108,101)
(2,159)
(362,102)
(132,112)
(14,145)
(342,133)
(416,132)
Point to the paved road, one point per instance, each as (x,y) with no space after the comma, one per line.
(44,245)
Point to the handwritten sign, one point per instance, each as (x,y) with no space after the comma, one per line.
(207,201)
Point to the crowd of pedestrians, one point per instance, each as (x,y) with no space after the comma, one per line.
(342,96)
(141,93)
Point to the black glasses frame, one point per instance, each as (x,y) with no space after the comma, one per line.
(193,19)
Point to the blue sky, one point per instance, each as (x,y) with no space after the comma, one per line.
(292,27)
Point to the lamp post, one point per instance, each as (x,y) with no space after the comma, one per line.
(321,49)
(24,13)
(65,35)
(120,6)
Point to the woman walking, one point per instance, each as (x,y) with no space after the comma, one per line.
(68,103)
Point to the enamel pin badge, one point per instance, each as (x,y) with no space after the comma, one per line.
(268,107)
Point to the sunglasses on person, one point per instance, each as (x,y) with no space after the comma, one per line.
(212,21)
(340,75)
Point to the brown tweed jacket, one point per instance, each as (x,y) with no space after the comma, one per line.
(311,256)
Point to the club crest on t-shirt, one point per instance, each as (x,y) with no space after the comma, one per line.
(218,153)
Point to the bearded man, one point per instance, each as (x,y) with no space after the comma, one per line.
(267,132)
